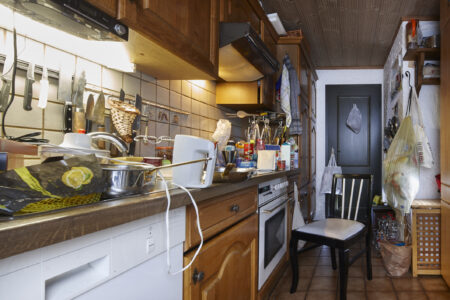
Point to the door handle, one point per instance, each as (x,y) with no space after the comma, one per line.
(234,208)
(269,211)
(197,276)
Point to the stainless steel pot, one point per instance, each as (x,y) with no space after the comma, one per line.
(122,180)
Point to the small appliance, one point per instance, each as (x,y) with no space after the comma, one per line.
(197,175)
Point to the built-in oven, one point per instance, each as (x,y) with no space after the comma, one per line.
(272,210)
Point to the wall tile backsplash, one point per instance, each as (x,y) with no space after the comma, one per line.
(195,97)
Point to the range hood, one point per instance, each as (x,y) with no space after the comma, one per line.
(76,17)
(243,56)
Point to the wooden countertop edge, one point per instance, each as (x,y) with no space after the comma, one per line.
(28,233)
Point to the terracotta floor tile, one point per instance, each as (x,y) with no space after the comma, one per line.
(412,296)
(317,295)
(325,251)
(438,295)
(378,271)
(289,296)
(379,285)
(377,261)
(356,271)
(407,284)
(356,284)
(325,271)
(356,296)
(326,261)
(382,296)
(305,271)
(323,284)
(434,284)
(311,252)
(307,261)
(284,285)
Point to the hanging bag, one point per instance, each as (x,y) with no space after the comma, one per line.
(354,119)
(424,154)
(327,178)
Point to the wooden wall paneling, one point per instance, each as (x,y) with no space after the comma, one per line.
(445,104)
(107,6)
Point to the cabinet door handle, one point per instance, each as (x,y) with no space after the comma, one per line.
(235,208)
(197,276)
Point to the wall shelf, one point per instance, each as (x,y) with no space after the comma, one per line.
(419,55)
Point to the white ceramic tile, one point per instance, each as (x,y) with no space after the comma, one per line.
(175,118)
(195,107)
(195,132)
(163,83)
(212,99)
(212,112)
(54,137)
(148,78)
(175,100)
(148,112)
(111,79)
(162,115)
(162,95)
(203,109)
(204,134)
(195,121)
(148,91)
(57,59)
(162,129)
(93,71)
(20,82)
(54,116)
(186,88)
(16,132)
(185,120)
(148,149)
(203,123)
(2,41)
(136,74)
(33,52)
(16,116)
(175,85)
(197,93)
(52,89)
(186,104)
(185,131)
(212,124)
(131,85)
(174,130)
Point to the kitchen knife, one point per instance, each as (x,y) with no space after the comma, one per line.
(136,124)
(65,95)
(89,113)
(122,95)
(7,80)
(28,93)
(99,115)
(43,91)
(79,120)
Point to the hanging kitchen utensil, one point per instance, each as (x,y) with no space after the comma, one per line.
(65,95)
(28,93)
(136,124)
(79,120)
(99,117)
(90,117)
(7,80)
(123,115)
(43,92)
(122,95)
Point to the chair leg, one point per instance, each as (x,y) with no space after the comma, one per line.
(333,257)
(294,262)
(343,273)
(369,256)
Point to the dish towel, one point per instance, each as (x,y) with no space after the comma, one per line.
(294,84)
(297,219)
(285,94)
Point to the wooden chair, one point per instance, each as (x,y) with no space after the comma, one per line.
(347,221)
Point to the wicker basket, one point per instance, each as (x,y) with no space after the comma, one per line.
(123,115)
(426,237)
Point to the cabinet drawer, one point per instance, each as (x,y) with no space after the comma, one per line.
(219,213)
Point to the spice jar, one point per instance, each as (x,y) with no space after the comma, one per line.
(165,152)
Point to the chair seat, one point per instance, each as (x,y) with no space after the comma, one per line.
(340,229)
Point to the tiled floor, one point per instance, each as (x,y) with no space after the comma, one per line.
(318,281)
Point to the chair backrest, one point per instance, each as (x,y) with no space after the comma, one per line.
(354,200)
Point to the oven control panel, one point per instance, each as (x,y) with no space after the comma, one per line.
(271,189)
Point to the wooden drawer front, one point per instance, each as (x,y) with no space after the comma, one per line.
(219,213)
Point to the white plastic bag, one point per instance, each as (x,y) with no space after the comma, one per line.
(354,119)
(424,155)
(327,178)
(297,219)
(401,168)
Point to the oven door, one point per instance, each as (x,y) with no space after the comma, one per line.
(272,236)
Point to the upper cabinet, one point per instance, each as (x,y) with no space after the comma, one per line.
(107,6)
(239,11)
(172,38)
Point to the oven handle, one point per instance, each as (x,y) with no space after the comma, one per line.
(269,211)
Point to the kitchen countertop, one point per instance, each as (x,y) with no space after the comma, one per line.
(35,231)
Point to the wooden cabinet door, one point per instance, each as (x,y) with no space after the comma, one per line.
(445,13)
(313,99)
(227,266)
(304,76)
(445,104)
(445,240)
(239,11)
(187,28)
(305,151)
(107,6)
(313,151)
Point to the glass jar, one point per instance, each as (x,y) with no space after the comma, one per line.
(165,152)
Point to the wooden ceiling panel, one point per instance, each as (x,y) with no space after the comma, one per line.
(349,33)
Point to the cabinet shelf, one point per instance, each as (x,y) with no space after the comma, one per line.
(429,54)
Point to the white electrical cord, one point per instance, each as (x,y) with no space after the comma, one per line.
(167,226)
